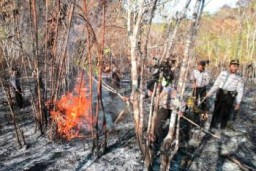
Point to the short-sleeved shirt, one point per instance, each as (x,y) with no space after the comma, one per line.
(230,82)
(201,78)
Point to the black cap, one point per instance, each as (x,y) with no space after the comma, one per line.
(234,61)
(203,63)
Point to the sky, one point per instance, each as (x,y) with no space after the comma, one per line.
(211,6)
(214,5)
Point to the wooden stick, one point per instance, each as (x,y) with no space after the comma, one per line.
(213,135)
(202,101)
(109,88)
(119,116)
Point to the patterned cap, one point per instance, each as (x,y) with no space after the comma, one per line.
(234,61)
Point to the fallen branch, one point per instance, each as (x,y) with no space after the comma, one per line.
(213,135)
(109,88)
(242,166)
(120,115)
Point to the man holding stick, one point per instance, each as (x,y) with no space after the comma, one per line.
(229,87)
(200,79)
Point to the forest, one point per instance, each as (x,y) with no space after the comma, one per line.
(84,84)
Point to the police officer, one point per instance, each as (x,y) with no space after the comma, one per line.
(168,101)
(229,87)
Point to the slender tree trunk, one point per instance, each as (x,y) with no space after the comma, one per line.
(64,53)
(133,35)
(47,3)
(170,41)
(39,114)
(102,51)
(18,133)
(99,90)
(169,145)
(92,41)
(54,53)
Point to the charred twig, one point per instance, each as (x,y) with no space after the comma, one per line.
(242,166)
(109,88)
(213,135)
(18,132)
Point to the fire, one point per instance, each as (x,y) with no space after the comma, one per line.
(72,111)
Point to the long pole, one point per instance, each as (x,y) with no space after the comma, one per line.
(213,135)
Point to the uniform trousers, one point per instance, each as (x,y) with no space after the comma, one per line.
(161,128)
(223,108)
(18,97)
(200,92)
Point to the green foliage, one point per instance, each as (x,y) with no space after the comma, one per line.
(107,51)
(3,33)
(159,27)
(85,65)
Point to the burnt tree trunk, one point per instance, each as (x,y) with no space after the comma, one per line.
(170,146)
(18,133)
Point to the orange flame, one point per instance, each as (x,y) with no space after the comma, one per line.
(72,111)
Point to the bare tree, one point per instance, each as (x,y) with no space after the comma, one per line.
(18,132)
(169,145)
(136,16)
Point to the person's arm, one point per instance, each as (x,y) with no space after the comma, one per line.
(193,79)
(177,104)
(164,97)
(163,94)
(207,79)
(13,83)
(240,92)
(192,76)
(216,85)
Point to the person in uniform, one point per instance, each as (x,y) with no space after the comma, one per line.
(168,101)
(200,79)
(229,87)
(15,84)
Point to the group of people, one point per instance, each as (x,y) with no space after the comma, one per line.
(229,87)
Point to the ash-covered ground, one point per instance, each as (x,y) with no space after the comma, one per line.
(236,145)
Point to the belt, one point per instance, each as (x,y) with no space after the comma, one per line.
(233,93)
(225,91)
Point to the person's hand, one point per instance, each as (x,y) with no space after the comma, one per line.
(17,90)
(193,85)
(151,137)
(207,95)
(126,99)
(237,106)
(181,114)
